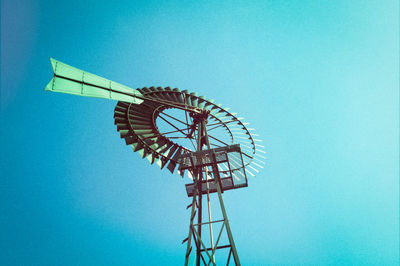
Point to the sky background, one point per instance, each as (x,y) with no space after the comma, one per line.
(318,80)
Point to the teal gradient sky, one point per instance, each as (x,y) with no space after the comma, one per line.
(318,80)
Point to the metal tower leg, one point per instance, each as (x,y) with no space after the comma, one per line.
(222,205)
(199,218)
(226,221)
(189,238)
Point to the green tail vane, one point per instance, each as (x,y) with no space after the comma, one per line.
(68,79)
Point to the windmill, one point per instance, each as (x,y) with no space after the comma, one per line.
(178,130)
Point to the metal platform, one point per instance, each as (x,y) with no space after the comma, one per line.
(226,182)
(228,160)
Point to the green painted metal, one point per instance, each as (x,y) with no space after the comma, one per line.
(71,80)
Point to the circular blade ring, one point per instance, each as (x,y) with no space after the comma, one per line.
(137,124)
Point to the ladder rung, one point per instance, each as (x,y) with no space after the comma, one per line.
(210,222)
(225,246)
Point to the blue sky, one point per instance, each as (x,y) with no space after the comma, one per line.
(317,79)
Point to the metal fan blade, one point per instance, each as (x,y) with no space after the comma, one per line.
(120,109)
(194,99)
(131,139)
(208,105)
(169,96)
(187,98)
(171,152)
(162,162)
(262,151)
(68,79)
(256,164)
(247,171)
(167,154)
(174,95)
(164,148)
(119,120)
(201,102)
(123,127)
(124,133)
(144,154)
(138,146)
(256,170)
(178,96)
(154,158)
(172,164)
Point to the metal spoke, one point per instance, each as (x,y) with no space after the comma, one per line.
(251,157)
(178,137)
(161,134)
(186,113)
(215,127)
(174,118)
(187,122)
(195,132)
(194,146)
(218,140)
(172,125)
(215,145)
(221,124)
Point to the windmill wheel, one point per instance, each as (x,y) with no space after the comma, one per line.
(161,133)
